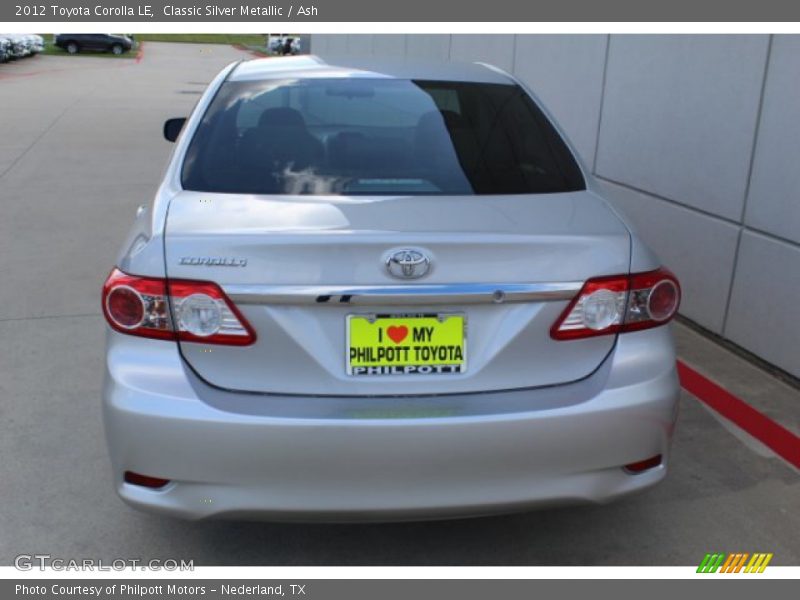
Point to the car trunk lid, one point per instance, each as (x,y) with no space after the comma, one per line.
(298,266)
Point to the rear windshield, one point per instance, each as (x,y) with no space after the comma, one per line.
(376,137)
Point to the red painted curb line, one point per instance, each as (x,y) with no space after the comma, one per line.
(773,435)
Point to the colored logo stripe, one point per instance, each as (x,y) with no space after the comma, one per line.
(758,563)
(734,562)
(711,563)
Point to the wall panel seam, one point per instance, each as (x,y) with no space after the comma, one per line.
(602,104)
(753,147)
(514,55)
(699,211)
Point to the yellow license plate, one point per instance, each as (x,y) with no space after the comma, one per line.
(406,344)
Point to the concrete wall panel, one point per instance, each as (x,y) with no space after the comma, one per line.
(326,44)
(390,46)
(359,44)
(679,116)
(497,50)
(428,47)
(774,201)
(763,313)
(319,44)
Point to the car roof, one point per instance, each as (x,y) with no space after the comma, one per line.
(313,67)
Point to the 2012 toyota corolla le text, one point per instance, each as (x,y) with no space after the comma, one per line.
(382,291)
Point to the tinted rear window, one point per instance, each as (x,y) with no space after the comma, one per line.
(377,137)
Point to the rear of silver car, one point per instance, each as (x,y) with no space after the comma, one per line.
(384,345)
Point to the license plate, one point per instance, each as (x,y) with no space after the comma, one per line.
(422,344)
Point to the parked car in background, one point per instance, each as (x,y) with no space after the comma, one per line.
(284,45)
(20,45)
(36,43)
(16,45)
(5,49)
(93,42)
(372,290)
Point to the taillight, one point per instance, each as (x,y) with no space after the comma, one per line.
(203,313)
(200,310)
(653,299)
(137,305)
(607,305)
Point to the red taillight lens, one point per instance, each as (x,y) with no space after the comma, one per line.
(145,480)
(643,465)
(126,306)
(200,311)
(663,301)
(653,299)
(608,305)
(137,305)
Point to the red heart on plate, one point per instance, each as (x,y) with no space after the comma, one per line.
(397,332)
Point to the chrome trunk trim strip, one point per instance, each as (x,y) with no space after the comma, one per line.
(450,293)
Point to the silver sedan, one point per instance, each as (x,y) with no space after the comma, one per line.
(382,291)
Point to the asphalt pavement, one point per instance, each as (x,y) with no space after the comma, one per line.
(80,149)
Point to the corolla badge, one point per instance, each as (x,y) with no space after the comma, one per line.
(213,261)
(408,263)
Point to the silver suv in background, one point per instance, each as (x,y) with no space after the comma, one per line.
(37,43)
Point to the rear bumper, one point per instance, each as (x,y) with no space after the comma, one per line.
(254,456)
